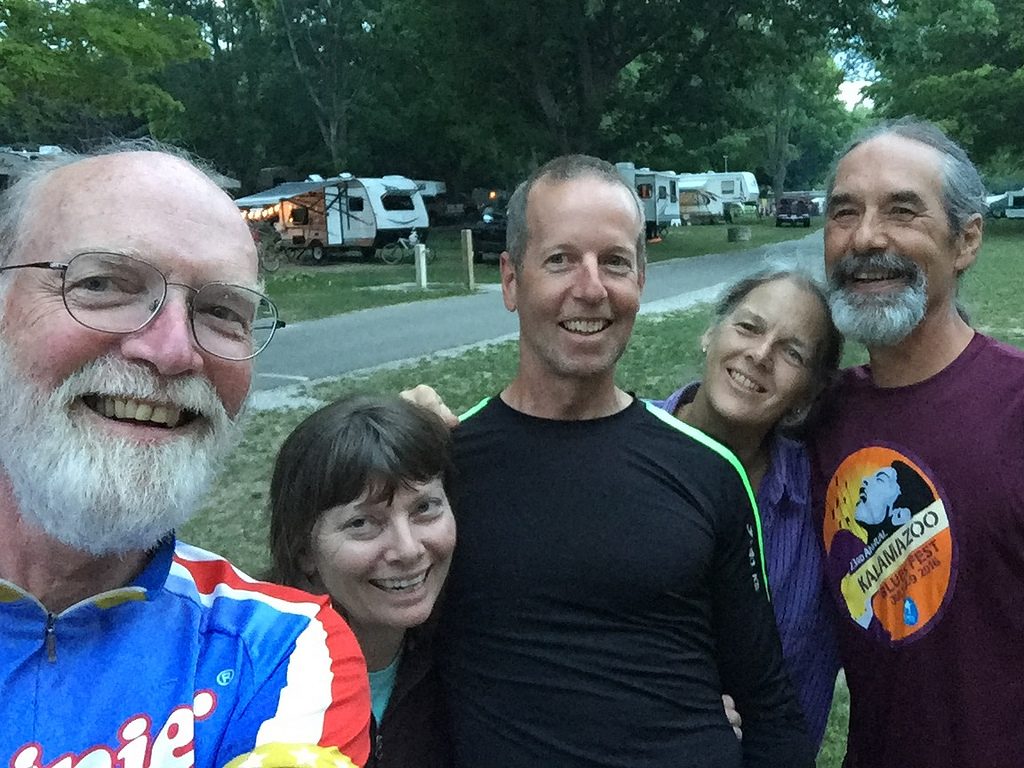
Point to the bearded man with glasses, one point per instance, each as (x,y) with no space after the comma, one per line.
(130,311)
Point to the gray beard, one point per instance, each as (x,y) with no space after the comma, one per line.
(878,320)
(94,491)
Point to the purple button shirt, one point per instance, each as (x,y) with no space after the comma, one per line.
(803,611)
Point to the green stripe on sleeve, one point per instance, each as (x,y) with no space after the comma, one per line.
(729,456)
(475,409)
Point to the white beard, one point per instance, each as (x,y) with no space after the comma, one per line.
(878,320)
(95,491)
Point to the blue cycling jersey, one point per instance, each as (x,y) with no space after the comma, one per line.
(192,664)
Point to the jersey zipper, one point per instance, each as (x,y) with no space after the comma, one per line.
(50,637)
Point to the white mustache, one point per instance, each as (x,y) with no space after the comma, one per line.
(889,261)
(116,377)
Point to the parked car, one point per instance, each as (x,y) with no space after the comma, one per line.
(488,236)
(793,211)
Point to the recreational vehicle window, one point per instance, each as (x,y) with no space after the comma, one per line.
(398,203)
(728,187)
(645,191)
(299,215)
(355,204)
(662,193)
(672,196)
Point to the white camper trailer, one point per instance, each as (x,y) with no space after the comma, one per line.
(730,187)
(344,213)
(658,194)
(696,204)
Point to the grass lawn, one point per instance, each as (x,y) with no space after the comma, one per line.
(664,352)
(306,292)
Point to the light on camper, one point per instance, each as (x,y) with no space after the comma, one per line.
(259,214)
(492,195)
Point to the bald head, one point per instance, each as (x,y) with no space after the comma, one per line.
(73,202)
(141,203)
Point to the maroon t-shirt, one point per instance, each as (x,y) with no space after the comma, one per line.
(919,493)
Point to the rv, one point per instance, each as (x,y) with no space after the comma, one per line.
(658,194)
(697,205)
(729,187)
(344,213)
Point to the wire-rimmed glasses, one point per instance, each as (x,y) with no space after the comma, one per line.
(115,293)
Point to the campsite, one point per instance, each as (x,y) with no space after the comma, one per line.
(372,148)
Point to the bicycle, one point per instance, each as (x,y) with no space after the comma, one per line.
(394,252)
(269,248)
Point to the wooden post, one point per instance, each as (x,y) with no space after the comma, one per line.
(467,255)
(421,266)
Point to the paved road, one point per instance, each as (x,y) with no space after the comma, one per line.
(332,346)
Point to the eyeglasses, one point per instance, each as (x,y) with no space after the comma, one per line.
(114,293)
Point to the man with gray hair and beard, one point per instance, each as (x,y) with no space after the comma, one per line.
(932,611)
(130,312)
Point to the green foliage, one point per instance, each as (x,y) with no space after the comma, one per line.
(475,92)
(760,89)
(960,63)
(479,91)
(242,106)
(69,69)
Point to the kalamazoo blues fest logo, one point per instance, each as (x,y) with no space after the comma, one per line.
(888,542)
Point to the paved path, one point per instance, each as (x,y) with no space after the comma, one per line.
(332,346)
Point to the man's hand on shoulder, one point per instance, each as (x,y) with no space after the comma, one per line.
(427,397)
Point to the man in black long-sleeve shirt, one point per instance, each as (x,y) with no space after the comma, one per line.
(608,583)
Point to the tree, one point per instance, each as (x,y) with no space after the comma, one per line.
(242,109)
(328,47)
(764,116)
(959,63)
(800,118)
(480,91)
(72,69)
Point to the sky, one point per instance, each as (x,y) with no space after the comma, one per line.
(849,93)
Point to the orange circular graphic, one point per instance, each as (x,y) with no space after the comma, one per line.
(889,545)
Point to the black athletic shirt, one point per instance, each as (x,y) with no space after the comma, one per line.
(607,587)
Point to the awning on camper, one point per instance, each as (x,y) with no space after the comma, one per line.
(387,185)
(281,192)
(690,184)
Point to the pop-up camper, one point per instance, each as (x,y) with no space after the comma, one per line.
(658,194)
(344,213)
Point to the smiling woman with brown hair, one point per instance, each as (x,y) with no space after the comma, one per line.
(360,511)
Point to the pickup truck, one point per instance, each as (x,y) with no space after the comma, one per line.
(793,211)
